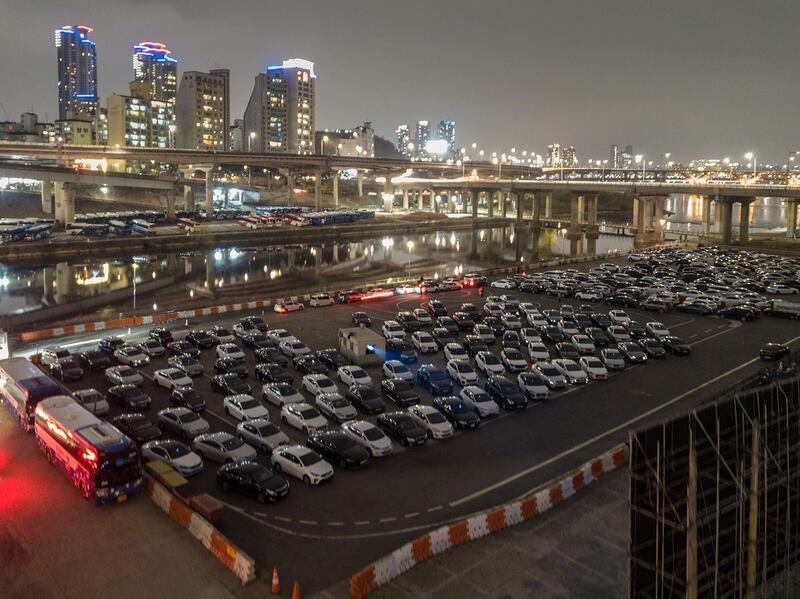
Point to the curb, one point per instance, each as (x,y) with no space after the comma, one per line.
(238,562)
(475,527)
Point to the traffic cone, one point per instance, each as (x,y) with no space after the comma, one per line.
(276,582)
(296,590)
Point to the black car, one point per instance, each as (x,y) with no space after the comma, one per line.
(360,318)
(183,347)
(400,392)
(408,321)
(309,365)
(774,351)
(495,324)
(464,321)
(447,322)
(338,448)
(635,330)
(652,347)
(399,349)
(434,380)
(137,427)
(598,336)
(403,428)
(568,351)
(505,393)
(632,352)
(582,320)
(472,311)
(442,336)
(675,345)
(456,412)
(254,321)
(511,339)
(130,397)
(474,344)
(257,341)
(738,313)
(270,372)
(229,384)
(601,320)
(365,399)
(162,335)
(436,308)
(188,398)
(552,334)
(332,358)
(200,338)
(251,478)
(110,344)
(623,300)
(694,308)
(95,360)
(67,369)
(230,366)
(271,354)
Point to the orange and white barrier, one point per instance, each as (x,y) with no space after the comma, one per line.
(441,539)
(201,529)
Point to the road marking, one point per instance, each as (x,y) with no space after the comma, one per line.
(335,523)
(734,325)
(220,418)
(310,522)
(708,330)
(362,522)
(605,434)
(390,519)
(411,515)
(692,336)
(281,518)
(435,508)
(262,514)
(680,324)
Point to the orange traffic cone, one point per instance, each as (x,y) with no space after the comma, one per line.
(296,590)
(276,582)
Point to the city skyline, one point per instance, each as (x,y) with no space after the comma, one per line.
(661,80)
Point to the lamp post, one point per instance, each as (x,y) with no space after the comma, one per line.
(410,246)
(250,139)
(135,267)
(752,156)
(322,143)
(171,136)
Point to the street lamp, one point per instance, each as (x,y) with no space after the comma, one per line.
(250,139)
(172,136)
(322,143)
(135,267)
(410,246)
(752,156)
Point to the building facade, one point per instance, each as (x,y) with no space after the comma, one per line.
(446,131)
(128,121)
(568,156)
(421,139)
(404,143)
(202,110)
(75,131)
(553,155)
(153,64)
(77,72)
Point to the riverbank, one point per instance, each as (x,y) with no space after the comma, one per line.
(220,235)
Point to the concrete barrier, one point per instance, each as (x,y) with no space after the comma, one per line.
(480,525)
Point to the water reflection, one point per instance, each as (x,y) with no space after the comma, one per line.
(686,212)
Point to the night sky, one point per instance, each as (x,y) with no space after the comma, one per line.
(697,79)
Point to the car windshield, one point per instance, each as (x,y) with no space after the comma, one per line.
(129,392)
(190,394)
(341,442)
(267,429)
(286,390)
(339,402)
(593,363)
(571,367)
(402,386)
(187,360)
(325,383)
(200,335)
(261,475)
(548,370)
(435,418)
(490,359)
(406,424)
(481,397)
(249,404)
(463,367)
(126,371)
(138,424)
(400,368)
(189,417)
(373,434)
(298,345)
(176,450)
(513,355)
(151,344)
(222,332)
(458,407)
(436,375)
(309,459)
(358,373)
(232,443)
(309,413)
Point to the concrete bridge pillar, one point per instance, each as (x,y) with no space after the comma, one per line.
(536,208)
(575,230)
(548,205)
(290,175)
(65,204)
(520,201)
(188,197)
(791,218)
(388,193)
(47,196)
(725,224)
(504,204)
(581,209)
(420,203)
(65,281)
(706,221)
(635,223)
(433,201)
(405,199)
(318,189)
(476,194)
(658,217)
(335,189)
(717,216)
(592,230)
(360,183)
(209,194)
(490,203)
(170,198)
(744,219)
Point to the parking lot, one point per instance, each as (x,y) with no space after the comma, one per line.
(359,515)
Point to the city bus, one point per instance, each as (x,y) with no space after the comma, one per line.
(38,232)
(97,458)
(142,227)
(118,227)
(87,229)
(22,386)
(10,233)
(187,224)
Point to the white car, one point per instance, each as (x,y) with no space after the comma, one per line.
(492,309)
(527,308)
(222,447)
(183,421)
(244,407)
(571,371)
(230,350)
(353,375)
(538,351)
(584,344)
(657,330)
(479,401)
(280,335)
(220,334)
(619,317)
(538,321)
(423,317)
(594,368)
(461,372)
(152,348)
(395,369)
(175,454)
(280,394)
(588,295)
(335,407)
(293,349)
(424,342)
(318,383)
(173,379)
(618,333)
(552,376)
(406,290)
(455,351)
(489,364)
(131,356)
(93,401)
(513,360)
(529,334)
(533,385)
(123,375)
(612,358)
(778,289)
(369,436)
(569,329)
(284,306)
(319,300)
(503,284)
(432,421)
(512,322)
(303,416)
(302,463)
(392,329)
(261,434)
(484,333)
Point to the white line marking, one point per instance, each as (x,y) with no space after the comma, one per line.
(282,518)
(734,325)
(311,522)
(434,508)
(411,515)
(220,418)
(335,523)
(362,522)
(391,519)
(262,514)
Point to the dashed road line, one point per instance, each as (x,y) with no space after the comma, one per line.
(435,508)
(220,418)
(262,514)
(390,519)
(692,336)
(282,518)
(362,522)
(336,523)
(411,515)
(309,522)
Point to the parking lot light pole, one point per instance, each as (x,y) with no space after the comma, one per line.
(410,246)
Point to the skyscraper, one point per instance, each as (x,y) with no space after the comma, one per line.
(403,141)
(553,155)
(568,156)
(446,131)
(202,110)
(77,71)
(152,63)
(613,157)
(422,138)
(280,113)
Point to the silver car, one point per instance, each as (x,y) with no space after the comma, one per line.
(335,407)
(222,447)
(189,365)
(130,355)
(92,400)
(176,454)
(152,348)
(479,401)
(183,421)
(261,434)
(612,358)
(123,375)
(280,394)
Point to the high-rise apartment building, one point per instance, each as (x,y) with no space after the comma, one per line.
(128,121)
(280,112)
(446,130)
(568,156)
(613,156)
(626,158)
(152,63)
(202,110)
(553,155)
(421,139)
(77,72)
(404,141)
(236,136)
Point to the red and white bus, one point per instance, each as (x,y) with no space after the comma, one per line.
(22,386)
(100,461)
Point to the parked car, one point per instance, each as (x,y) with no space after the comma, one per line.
(336,447)
(175,454)
(252,478)
(222,447)
(182,421)
(137,427)
(261,434)
(302,463)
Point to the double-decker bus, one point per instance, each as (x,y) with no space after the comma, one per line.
(22,386)
(100,461)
